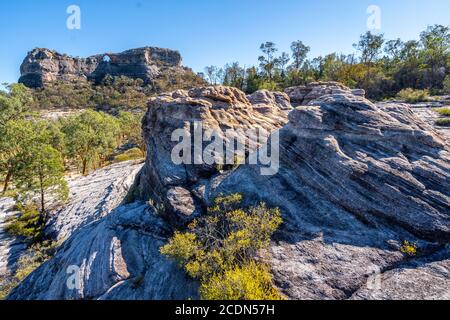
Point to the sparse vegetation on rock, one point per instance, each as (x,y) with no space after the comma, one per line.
(220,250)
(409,248)
(444,111)
(35,256)
(413,96)
(443,122)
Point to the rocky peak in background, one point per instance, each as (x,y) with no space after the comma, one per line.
(42,66)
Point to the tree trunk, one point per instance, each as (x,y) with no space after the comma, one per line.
(7,180)
(84,167)
(43,218)
(42,200)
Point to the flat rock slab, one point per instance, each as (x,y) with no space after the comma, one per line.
(93,197)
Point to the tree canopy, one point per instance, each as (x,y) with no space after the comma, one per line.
(383,67)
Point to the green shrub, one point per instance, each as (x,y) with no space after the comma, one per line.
(443,111)
(269,85)
(223,245)
(249,282)
(443,122)
(27,224)
(412,95)
(131,154)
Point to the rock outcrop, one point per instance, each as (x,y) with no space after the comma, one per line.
(42,66)
(91,198)
(116,257)
(217,108)
(302,95)
(355,180)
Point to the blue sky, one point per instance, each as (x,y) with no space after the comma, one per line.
(206,32)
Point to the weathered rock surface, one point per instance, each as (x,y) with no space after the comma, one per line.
(427,278)
(114,258)
(355,181)
(43,66)
(302,95)
(10,247)
(92,198)
(427,112)
(218,109)
(111,250)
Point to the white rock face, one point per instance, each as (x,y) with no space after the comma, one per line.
(93,197)
(427,278)
(116,257)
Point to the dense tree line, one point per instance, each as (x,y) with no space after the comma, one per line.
(382,67)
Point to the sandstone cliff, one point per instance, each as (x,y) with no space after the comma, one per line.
(356,179)
(43,66)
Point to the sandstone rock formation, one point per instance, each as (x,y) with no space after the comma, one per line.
(43,66)
(91,198)
(116,257)
(217,108)
(302,95)
(356,179)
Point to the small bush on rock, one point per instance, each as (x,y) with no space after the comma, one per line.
(443,122)
(249,282)
(412,96)
(27,224)
(443,111)
(35,256)
(220,249)
(131,154)
(409,248)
